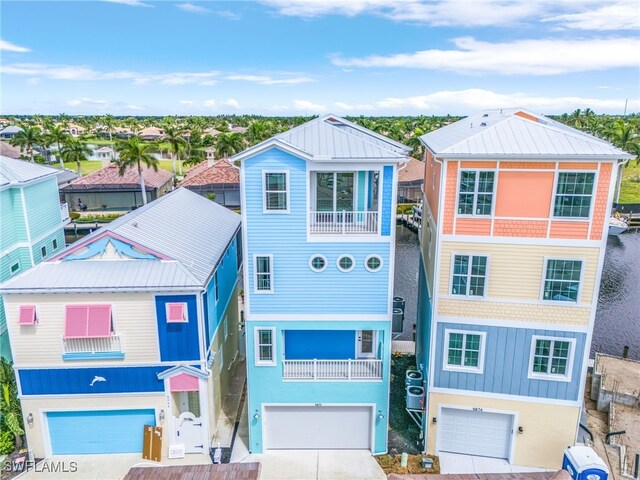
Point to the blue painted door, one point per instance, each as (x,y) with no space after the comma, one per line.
(107,431)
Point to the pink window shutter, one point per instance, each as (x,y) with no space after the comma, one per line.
(184,383)
(27,315)
(76,318)
(99,323)
(176,312)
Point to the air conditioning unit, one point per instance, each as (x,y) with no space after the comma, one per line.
(415,398)
(413,378)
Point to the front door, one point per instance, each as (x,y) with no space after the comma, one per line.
(366,344)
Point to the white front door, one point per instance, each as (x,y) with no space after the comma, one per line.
(367,344)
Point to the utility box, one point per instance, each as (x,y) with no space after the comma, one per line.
(583,463)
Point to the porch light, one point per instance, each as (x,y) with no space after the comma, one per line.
(256,415)
(520,430)
(161,416)
(434,420)
(380,415)
(30,419)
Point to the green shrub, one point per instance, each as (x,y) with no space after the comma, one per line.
(405,208)
(74,215)
(7,442)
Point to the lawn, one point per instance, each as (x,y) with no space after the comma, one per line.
(404,434)
(630,188)
(92,166)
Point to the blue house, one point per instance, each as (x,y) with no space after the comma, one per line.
(31,222)
(136,324)
(318,205)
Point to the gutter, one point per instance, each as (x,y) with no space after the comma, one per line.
(186,288)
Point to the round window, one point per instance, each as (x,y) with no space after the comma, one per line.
(318,263)
(373,263)
(346,263)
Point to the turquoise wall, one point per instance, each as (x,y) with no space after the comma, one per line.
(43,206)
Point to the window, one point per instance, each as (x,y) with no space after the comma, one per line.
(551,358)
(264,346)
(345,263)
(318,263)
(573,194)
(15,267)
(562,280)
(373,263)
(43,251)
(469,275)
(177,312)
(464,351)
(263,277)
(276,192)
(216,288)
(475,193)
(55,243)
(87,321)
(27,315)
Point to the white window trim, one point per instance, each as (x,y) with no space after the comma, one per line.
(475,192)
(555,193)
(373,256)
(326,263)
(264,192)
(461,368)
(256,347)
(551,376)
(353,263)
(486,275)
(544,279)
(255,273)
(166,312)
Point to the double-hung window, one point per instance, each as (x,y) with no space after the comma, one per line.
(562,280)
(464,351)
(475,192)
(276,192)
(573,194)
(469,275)
(265,351)
(263,273)
(551,358)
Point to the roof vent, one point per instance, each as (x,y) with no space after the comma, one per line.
(485,115)
(483,124)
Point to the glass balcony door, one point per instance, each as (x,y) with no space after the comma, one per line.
(335,191)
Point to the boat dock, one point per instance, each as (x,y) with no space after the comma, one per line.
(407,220)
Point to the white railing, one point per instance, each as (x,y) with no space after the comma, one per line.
(92,345)
(64,213)
(343,222)
(332,369)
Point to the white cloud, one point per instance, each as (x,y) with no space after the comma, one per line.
(518,57)
(187,102)
(33,81)
(307,106)
(12,47)
(228,14)
(279,108)
(267,80)
(131,3)
(209,103)
(348,107)
(232,102)
(191,8)
(131,106)
(622,15)
(86,101)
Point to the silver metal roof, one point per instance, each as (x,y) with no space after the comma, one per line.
(13,171)
(333,138)
(113,276)
(514,133)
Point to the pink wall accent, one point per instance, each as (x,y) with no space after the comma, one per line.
(184,383)
(524,194)
(569,229)
(473,226)
(27,315)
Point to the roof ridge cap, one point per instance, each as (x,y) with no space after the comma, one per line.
(480,132)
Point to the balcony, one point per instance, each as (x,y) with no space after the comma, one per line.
(343,222)
(64,213)
(89,348)
(332,370)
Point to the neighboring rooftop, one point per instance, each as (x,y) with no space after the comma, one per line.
(206,173)
(108,177)
(412,171)
(13,171)
(8,150)
(11,129)
(516,133)
(65,176)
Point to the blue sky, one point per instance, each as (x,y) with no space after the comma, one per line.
(287,57)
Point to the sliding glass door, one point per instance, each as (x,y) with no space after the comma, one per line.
(335,191)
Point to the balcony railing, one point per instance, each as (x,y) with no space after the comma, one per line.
(64,213)
(92,345)
(343,222)
(340,370)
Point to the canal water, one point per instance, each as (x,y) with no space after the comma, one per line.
(618,314)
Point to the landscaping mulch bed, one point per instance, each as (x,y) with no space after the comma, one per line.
(404,434)
(391,464)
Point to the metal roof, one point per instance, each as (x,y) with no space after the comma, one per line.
(333,138)
(13,171)
(516,133)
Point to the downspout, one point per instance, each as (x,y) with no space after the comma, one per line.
(621,165)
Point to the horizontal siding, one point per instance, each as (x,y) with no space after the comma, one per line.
(516,271)
(297,288)
(11,218)
(47,242)
(387,200)
(133,315)
(560,229)
(473,226)
(43,204)
(506,366)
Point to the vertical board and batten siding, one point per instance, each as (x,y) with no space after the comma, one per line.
(178,341)
(387,200)
(297,289)
(133,314)
(74,381)
(506,364)
(319,344)
(43,205)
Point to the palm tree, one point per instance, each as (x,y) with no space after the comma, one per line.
(10,412)
(109,122)
(228,144)
(133,153)
(174,136)
(75,151)
(27,139)
(58,136)
(259,131)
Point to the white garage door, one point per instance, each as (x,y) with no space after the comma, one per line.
(475,433)
(311,427)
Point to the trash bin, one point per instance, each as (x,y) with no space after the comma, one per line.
(398,302)
(583,463)
(398,319)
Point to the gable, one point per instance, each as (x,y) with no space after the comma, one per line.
(110,246)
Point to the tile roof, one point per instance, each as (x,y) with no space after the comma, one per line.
(8,150)
(411,171)
(108,177)
(14,171)
(516,133)
(221,171)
